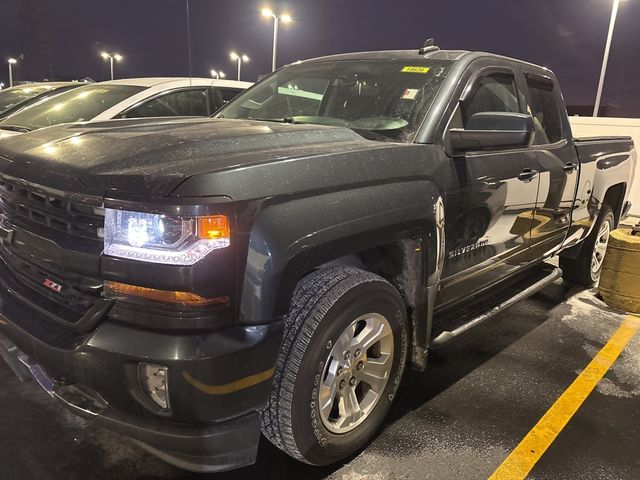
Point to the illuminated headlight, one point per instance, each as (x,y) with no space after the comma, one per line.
(162,238)
(154,380)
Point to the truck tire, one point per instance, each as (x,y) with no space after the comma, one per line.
(586,268)
(339,367)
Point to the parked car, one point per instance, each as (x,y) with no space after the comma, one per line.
(16,98)
(130,98)
(191,283)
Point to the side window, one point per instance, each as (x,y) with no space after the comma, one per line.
(494,93)
(181,103)
(545,111)
(228,94)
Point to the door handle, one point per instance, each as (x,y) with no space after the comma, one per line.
(527,175)
(569,168)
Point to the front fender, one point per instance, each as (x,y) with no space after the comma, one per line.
(290,239)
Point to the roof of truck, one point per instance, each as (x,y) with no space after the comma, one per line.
(414,54)
(393,55)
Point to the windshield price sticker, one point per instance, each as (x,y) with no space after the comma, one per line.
(410,94)
(410,69)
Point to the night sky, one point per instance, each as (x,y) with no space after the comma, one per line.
(566,35)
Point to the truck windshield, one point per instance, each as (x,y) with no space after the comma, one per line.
(382,99)
(77,105)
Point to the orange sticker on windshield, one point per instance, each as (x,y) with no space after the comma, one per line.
(415,69)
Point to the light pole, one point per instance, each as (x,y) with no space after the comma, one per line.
(111,58)
(218,74)
(286,18)
(605,60)
(239,58)
(11,62)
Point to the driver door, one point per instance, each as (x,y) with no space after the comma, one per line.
(490,197)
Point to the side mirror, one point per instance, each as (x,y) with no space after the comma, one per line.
(493,130)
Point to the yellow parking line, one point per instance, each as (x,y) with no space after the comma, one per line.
(524,457)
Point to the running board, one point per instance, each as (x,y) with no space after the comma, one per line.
(11,355)
(448,335)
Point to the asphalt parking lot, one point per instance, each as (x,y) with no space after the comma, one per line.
(460,419)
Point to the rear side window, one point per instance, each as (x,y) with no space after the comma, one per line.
(545,110)
(493,93)
(228,94)
(189,103)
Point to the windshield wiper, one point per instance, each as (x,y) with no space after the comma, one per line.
(15,128)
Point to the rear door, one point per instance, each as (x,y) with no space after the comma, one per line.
(490,197)
(557,164)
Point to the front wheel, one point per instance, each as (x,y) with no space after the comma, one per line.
(343,355)
(586,268)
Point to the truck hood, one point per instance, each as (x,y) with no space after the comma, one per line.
(152,157)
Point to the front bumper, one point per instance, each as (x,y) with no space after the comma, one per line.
(218,381)
(207,448)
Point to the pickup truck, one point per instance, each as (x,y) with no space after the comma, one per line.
(191,283)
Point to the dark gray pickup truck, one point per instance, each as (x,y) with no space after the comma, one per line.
(190,283)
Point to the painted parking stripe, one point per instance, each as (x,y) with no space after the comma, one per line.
(524,457)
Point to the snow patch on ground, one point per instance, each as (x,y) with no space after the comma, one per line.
(607,387)
(597,325)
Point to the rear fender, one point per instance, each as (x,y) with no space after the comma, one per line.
(599,174)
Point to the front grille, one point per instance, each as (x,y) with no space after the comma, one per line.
(52,257)
(76,296)
(78,216)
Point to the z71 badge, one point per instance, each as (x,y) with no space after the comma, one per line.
(52,285)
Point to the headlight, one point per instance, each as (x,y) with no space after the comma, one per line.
(162,238)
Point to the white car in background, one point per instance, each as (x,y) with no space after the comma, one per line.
(129,98)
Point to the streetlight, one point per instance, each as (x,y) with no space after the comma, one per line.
(239,58)
(218,74)
(286,18)
(111,57)
(11,62)
(605,60)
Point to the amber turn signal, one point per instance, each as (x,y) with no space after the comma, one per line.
(118,290)
(214,227)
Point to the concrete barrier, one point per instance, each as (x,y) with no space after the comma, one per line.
(620,280)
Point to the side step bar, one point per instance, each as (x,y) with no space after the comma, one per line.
(446,336)
(11,355)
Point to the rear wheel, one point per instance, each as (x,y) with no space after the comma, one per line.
(340,365)
(586,268)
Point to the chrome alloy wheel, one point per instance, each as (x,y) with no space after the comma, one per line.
(600,247)
(356,373)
